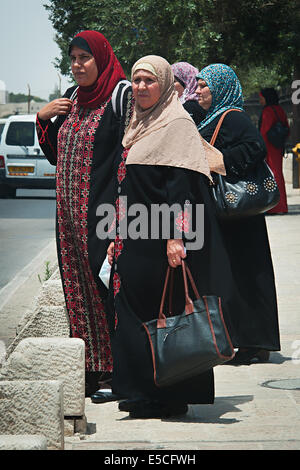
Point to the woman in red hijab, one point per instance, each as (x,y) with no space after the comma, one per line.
(82,142)
(271,113)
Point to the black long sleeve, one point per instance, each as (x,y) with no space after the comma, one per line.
(239,141)
(183,192)
(47,133)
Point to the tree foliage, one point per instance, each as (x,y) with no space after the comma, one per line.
(22,98)
(258,38)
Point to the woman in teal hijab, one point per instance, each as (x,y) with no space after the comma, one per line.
(251,311)
(225,89)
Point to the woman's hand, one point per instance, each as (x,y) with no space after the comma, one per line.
(175,252)
(110,253)
(55,108)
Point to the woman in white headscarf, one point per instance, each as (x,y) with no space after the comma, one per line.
(165,161)
(186,85)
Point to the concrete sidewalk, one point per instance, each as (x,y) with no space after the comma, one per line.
(257,407)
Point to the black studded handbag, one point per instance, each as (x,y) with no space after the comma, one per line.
(237,197)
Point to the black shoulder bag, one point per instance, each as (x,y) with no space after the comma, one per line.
(237,197)
(278,133)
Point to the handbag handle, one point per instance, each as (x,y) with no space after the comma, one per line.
(214,136)
(187,269)
(189,306)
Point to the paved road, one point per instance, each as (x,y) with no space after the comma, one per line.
(27,225)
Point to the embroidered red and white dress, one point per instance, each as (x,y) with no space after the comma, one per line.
(74,163)
(83,146)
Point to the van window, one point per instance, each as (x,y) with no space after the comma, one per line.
(1,128)
(20,133)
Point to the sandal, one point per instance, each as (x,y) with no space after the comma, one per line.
(250,356)
(104,396)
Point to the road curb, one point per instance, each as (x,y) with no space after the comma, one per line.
(11,288)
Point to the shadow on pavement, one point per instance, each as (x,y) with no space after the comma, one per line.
(210,413)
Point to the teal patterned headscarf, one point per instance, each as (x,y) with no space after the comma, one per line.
(225,88)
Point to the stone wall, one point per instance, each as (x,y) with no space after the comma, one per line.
(42,380)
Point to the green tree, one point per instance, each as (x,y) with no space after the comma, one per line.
(258,38)
(22,98)
(245,34)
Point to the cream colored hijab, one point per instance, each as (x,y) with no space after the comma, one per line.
(165,134)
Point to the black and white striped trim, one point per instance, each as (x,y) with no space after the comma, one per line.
(117,97)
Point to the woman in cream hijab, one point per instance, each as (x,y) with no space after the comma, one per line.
(164,162)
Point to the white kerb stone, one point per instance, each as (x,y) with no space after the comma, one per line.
(23,442)
(33,407)
(51,359)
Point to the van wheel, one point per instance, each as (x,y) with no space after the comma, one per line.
(6,192)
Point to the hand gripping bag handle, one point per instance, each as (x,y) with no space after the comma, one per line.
(189,306)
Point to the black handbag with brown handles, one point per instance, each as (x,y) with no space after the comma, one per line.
(238,197)
(186,345)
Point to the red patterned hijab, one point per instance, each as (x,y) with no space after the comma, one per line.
(110,71)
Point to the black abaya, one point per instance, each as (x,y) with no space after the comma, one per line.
(251,313)
(138,276)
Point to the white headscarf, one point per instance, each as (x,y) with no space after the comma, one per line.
(165,134)
(186,74)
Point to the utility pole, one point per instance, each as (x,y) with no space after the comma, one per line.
(29,99)
(59,87)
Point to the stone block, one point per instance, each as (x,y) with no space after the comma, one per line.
(45,320)
(50,320)
(69,427)
(47,315)
(74,426)
(51,293)
(56,273)
(33,407)
(23,442)
(51,359)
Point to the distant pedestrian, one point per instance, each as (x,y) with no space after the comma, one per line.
(185,85)
(82,143)
(271,113)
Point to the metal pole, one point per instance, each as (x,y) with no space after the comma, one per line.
(29,98)
(59,88)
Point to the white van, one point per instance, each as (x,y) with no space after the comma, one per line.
(2,122)
(22,162)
